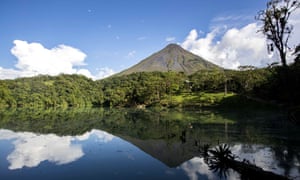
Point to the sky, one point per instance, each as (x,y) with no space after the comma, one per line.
(98,38)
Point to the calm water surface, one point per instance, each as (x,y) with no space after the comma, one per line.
(141,144)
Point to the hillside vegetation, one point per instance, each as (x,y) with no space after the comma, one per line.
(169,89)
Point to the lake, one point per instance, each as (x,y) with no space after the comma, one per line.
(100,143)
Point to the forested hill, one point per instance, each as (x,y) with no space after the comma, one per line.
(172,58)
(143,88)
(49,91)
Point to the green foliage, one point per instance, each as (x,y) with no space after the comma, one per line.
(6,98)
(168,89)
(208,81)
(283,85)
(47,91)
(142,88)
(233,81)
(248,80)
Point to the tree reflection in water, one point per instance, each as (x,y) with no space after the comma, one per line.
(175,136)
(217,159)
(220,159)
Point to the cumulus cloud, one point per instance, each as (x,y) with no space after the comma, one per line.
(233,47)
(31,149)
(9,73)
(236,47)
(104,72)
(34,59)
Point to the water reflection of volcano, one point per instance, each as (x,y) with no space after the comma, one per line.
(170,153)
(187,157)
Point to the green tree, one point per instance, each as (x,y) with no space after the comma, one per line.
(275,24)
(212,81)
(6,98)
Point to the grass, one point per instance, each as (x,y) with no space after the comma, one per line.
(195,99)
(208,99)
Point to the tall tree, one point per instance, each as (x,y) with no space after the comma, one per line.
(275,24)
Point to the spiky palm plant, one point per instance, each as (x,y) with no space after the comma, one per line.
(219,158)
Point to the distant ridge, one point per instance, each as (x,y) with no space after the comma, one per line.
(172,58)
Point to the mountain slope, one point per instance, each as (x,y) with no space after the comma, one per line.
(171,58)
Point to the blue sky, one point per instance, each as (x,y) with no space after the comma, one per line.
(107,36)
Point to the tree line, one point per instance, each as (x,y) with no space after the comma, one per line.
(148,88)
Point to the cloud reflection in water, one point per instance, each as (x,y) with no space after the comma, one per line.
(31,149)
(197,166)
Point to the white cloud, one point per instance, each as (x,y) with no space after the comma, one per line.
(31,149)
(104,72)
(9,73)
(236,47)
(85,72)
(202,46)
(34,59)
(232,47)
(170,39)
